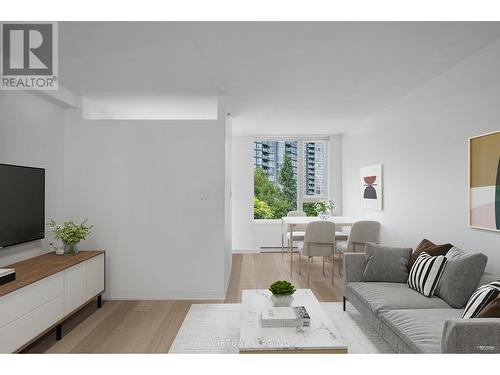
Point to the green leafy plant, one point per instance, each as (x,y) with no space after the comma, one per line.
(69,232)
(261,209)
(287,183)
(282,288)
(324,206)
(265,191)
(308,208)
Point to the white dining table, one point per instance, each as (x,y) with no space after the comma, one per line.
(290,221)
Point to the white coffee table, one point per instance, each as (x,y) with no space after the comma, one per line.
(321,337)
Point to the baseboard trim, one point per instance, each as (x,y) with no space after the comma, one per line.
(164,295)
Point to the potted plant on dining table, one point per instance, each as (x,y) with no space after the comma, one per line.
(324,208)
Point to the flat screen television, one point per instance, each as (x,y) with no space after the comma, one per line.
(22,204)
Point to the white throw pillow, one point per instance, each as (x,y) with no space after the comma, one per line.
(425,273)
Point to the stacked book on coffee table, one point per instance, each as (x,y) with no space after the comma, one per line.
(295,316)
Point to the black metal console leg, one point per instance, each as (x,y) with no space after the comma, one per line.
(59,332)
(99,302)
(344,302)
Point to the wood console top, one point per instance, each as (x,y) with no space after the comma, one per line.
(34,269)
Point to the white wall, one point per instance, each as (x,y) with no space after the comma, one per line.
(228,219)
(422,142)
(244,234)
(249,235)
(139,183)
(32,133)
(335,172)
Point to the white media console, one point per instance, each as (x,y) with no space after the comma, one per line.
(47,290)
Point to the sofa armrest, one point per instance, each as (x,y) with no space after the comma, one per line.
(476,335)
(354,266)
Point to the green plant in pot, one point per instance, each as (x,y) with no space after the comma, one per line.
(324,208)
(282,293)
(70,234)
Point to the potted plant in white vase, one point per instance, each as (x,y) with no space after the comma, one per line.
(70,234)
(324,208)
(282,293)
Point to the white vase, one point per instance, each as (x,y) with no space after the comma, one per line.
(324,215)
(281,301)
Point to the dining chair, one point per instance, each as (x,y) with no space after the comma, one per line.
(361,233)
(298,230)
(319,240)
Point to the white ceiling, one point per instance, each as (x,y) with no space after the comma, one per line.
(280,78)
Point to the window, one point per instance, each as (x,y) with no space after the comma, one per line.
(289,174)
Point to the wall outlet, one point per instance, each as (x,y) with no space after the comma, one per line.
(204,195)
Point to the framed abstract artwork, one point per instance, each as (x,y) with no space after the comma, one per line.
(371,187)
(484,181)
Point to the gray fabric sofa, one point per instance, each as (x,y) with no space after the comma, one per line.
(413,323)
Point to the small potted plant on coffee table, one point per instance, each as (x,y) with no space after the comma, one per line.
(282,293)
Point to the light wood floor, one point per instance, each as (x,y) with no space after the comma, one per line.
(151,326)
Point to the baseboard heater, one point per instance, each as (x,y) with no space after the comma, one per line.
(7,275)
(275,249)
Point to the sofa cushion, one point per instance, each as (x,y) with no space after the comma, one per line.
(430,248)
(460,277)
(425,273)
(385,263)
(379,296)
(420,329)
(492,310)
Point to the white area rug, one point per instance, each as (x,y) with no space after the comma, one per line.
(214,328)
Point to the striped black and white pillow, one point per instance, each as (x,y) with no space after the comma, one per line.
(426,272)
(481,298)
